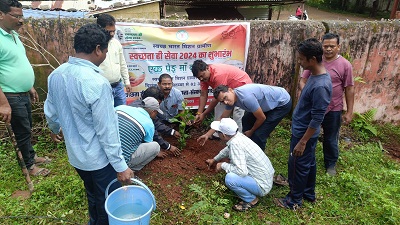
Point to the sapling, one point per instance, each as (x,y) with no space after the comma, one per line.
(184,118)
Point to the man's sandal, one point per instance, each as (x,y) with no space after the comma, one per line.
(280,180)
(243,206)
(40,172)
(42,160)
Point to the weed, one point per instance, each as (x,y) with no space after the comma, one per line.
(183,118)
(211,207)
(363,123)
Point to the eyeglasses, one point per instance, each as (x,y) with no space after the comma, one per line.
(16,16)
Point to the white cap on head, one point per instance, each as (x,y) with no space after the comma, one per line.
(227,126)
(152,103)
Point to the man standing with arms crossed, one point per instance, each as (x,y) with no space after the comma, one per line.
(341,74)
(114,66)
(78,101)
(212,76)
(16,85)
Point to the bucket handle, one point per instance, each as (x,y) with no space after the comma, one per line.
(134,181)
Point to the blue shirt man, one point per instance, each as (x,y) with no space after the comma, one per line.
(173,98)
(306,121)
(265,107)
(79,101)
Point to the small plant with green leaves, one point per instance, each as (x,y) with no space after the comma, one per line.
(183,118)
(362,122)
(211,207)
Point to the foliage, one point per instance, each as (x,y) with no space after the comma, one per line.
(359,80)
(363,123)
(183,118)
(365,191)
(207,121)
(211,207)
(345,6)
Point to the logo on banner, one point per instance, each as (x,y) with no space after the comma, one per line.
(182,35)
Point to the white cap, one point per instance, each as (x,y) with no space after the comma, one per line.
(152,103)
(227,126)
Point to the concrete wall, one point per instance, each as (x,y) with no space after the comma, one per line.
(374,48)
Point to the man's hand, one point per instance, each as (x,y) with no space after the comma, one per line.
(125,176)
(190,123)
(162,154)
(248,133)
(128,88)
(34,95)
(174,150)
(299,149)
(5,112)
(177,134)
(347,117)
(56,137)
(202,139)
(218,167)
(199,118)
(210,163)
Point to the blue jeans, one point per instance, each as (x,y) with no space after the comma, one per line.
(245,187)
(273,117)
(21,123)
(95,184)
(302,172)
(119,95)
(331,126)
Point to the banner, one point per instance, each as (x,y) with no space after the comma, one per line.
(151,50)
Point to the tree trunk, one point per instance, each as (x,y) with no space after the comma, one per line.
(388,6)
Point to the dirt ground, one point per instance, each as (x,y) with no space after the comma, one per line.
(169,175)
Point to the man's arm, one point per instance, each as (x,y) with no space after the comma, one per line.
(301,145)
(5,108)
(200,111)
(162,128)
(106,127)
(211,107)
(124,70)
(302,83)
(163,144)
(51,116)
(349,96)
(203,101)
(260,118)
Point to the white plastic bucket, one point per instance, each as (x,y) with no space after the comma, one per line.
(130,205)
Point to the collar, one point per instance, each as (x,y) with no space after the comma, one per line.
(13,32)
(84,62)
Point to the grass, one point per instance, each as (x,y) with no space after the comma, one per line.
(366,190)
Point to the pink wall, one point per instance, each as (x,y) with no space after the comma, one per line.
(374,48)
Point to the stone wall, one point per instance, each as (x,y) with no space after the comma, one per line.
(374,49)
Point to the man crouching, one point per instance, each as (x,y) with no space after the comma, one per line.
(249,172)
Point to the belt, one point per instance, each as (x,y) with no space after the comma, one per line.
(10,94)
(115,84)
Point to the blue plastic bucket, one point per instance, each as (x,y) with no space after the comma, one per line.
(131,204)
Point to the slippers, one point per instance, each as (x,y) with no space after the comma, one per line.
(281,202)
(243,206)
(43,160)
(280,180)
(40,172)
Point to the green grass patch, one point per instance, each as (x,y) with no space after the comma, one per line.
(365,191)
